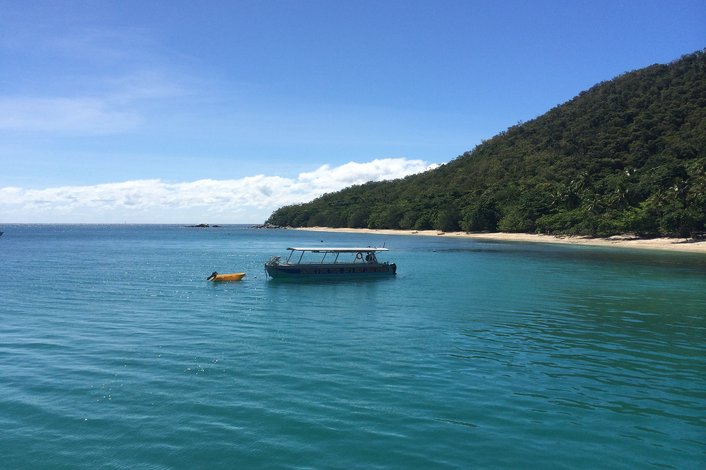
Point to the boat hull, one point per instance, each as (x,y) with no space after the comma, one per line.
(330,271)
(226,277)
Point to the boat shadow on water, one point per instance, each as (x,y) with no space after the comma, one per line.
(278,282)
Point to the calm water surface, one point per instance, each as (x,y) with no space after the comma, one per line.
(116,353)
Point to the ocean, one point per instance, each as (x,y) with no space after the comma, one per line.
(116,353)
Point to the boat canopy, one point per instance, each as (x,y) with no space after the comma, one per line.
(339,250)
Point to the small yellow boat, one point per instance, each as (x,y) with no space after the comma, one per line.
(215,277)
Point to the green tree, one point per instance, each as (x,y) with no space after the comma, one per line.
(626,155)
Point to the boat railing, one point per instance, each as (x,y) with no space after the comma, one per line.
(357,260)
(328,257)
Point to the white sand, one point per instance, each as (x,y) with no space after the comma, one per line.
(669,244)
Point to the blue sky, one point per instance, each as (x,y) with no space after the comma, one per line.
(221,111)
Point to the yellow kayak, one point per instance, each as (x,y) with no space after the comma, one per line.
(215,277)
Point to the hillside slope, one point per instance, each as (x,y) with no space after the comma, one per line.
(628,155)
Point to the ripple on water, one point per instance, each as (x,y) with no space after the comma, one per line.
(117,353)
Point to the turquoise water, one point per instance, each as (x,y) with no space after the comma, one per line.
(116,353)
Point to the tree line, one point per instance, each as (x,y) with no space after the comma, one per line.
(627,155)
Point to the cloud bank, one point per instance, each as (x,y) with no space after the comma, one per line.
(245,200)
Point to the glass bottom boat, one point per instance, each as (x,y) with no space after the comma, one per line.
(335,263)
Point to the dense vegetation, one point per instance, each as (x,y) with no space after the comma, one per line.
(628,155)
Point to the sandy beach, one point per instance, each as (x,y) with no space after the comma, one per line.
(668,244)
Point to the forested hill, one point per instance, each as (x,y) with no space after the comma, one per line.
(628,155)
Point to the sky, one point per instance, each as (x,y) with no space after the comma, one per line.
(222,111)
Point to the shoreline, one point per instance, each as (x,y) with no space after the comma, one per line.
(682,245)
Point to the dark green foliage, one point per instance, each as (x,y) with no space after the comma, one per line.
(628,155)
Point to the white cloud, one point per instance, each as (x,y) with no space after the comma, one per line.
(249,199)
(328,179)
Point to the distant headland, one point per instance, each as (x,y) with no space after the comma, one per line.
(626,156)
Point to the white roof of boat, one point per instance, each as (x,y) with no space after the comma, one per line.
(319,249)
